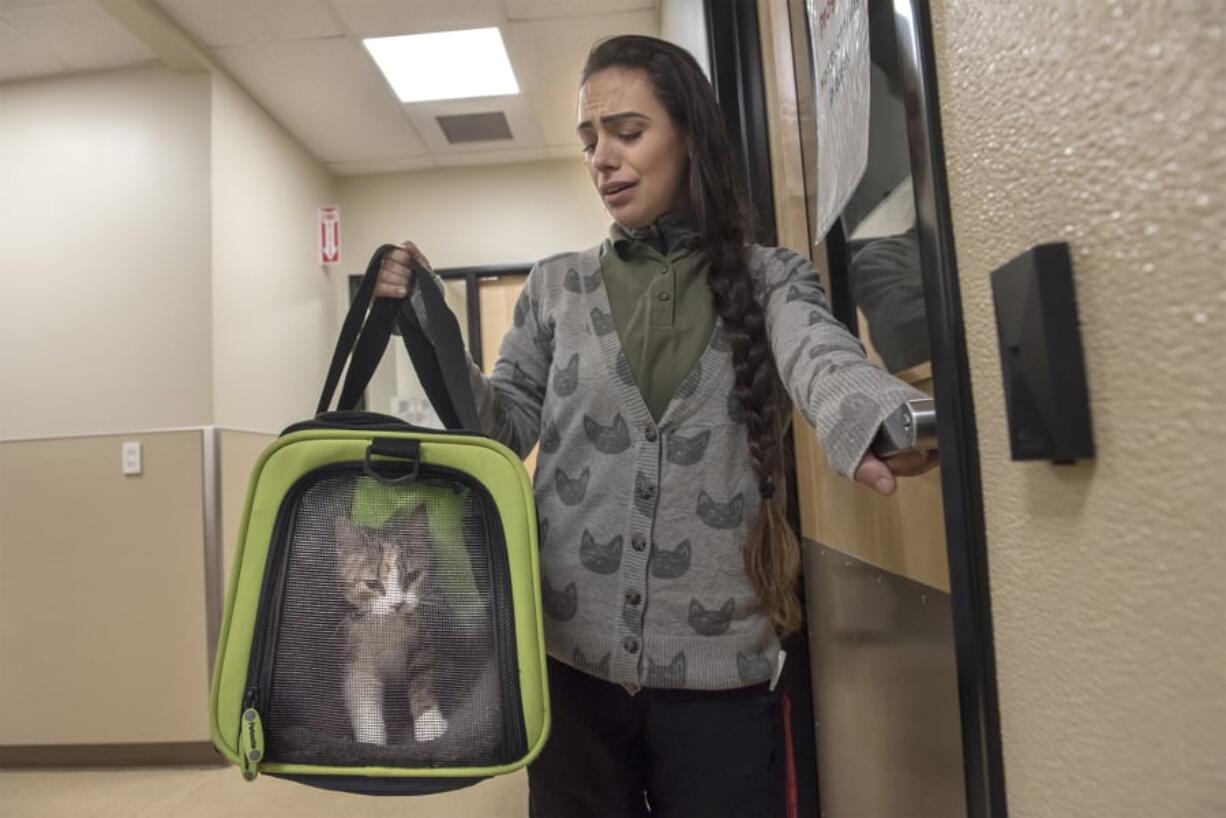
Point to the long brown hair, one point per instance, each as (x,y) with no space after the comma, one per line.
(716,202)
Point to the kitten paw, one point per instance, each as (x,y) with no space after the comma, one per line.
(429,726)
(370,734)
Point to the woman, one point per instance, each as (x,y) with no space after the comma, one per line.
(648,368)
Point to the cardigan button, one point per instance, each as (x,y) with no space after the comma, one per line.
(647,492)
(651,434)
(638,543)
(633,597)
(631,645)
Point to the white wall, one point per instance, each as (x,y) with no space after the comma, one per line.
(273,305)
(104,253)
(684,22)
(470,216)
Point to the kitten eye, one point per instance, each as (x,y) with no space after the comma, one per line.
(374,585)
(412,577)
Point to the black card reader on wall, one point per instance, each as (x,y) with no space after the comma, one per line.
(1046,397)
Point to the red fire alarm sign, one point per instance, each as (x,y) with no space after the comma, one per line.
(329,235)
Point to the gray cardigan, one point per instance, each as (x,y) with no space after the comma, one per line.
(642,525)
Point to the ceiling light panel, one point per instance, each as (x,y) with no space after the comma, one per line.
(327,94)
(445,65)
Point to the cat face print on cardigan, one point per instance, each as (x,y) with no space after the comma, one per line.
(600,669)
(602,322)
(600,558)
(753,669)
(551,439)
(666,675)
(561,605)
(566,379)
(721,515)
(572,490)
(857,417)
(611,439)
(670,564)
(711,622)
(686,451)
(576,283)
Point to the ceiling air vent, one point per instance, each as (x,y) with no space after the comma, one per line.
(475,127)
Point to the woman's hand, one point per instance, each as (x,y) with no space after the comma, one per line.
(880,475)
(395,278)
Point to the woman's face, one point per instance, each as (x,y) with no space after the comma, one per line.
(635,155)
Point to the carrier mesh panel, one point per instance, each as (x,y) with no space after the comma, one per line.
(386,646)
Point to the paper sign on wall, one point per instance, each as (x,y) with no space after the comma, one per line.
(841,68)
(329,235)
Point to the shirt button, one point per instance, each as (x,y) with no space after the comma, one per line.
(663,296)
(631,645)
(633,597)
(638,543)
(651,434)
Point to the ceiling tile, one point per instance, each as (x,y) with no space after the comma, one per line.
(80,34)
(544,9)
(548,56)
(243,22)
(329,94)
(386,18)
(21,57)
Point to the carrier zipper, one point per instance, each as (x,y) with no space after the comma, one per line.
(250,743)
(504,639)
(268,616)
(272,591)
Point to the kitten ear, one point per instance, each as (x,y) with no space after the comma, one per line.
(419,520)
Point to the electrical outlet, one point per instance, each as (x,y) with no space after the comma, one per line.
(131,457)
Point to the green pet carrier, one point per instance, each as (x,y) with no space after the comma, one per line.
(382,630)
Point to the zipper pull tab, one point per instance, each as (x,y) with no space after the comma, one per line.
(250,743)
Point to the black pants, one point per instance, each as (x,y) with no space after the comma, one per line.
(663,753)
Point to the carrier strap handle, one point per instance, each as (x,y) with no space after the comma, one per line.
(438,354)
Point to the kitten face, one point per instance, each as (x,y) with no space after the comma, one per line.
(379,575)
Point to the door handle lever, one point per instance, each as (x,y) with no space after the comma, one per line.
(913,427)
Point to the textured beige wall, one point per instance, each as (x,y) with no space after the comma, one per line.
(104,253)
(273,313)
(1103,125)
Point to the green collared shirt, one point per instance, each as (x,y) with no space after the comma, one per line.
(656,279)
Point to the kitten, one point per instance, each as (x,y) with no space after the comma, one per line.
(383,576)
